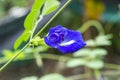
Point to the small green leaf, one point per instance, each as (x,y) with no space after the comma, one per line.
(95,64)
(99,52)
(24,37)
(76,62)
(82,52)
(54,76)
(91,42)
(30,78)
(50,6)
(103,40)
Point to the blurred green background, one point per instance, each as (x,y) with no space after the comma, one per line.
(78,12)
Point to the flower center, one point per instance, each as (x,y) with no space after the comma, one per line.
(54,37)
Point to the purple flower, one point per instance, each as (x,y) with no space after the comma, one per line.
(64,40)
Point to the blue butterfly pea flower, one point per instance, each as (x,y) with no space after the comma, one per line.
(64,40)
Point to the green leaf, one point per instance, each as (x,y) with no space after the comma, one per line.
(91,42)
(30,20)
(82,52)
(24,37)
(8,54)
(103,40)
(76,62)
(95,64)
(30,78)
(38,4)
(54,76)
(33,15)
(99,52)
(50,6)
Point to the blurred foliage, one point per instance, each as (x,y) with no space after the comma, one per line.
(91,57)
(5,5)
(30,78)
(53,76)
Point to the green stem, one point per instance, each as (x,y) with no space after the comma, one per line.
(53,17)
(94,23)
(112,66)
(55,57)
(38,59)
(40,18)
(97,74)
(8,62)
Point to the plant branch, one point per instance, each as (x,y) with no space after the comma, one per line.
(112,66)
(9,61)
(93,23)
(40,18)
(97,74)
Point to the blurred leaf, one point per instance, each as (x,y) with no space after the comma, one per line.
(105,40)
(54,76)
(28,50)
(95,64)
(20,3)
(82,52)
(50,6)
(76,62)
(102,40)
(99,52)
(7,54)
(30,78)
(23,37)
(90,42)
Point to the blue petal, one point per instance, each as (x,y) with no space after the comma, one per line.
(78,42)
(73,35)
(54,45)
(72,47)
(58,29)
